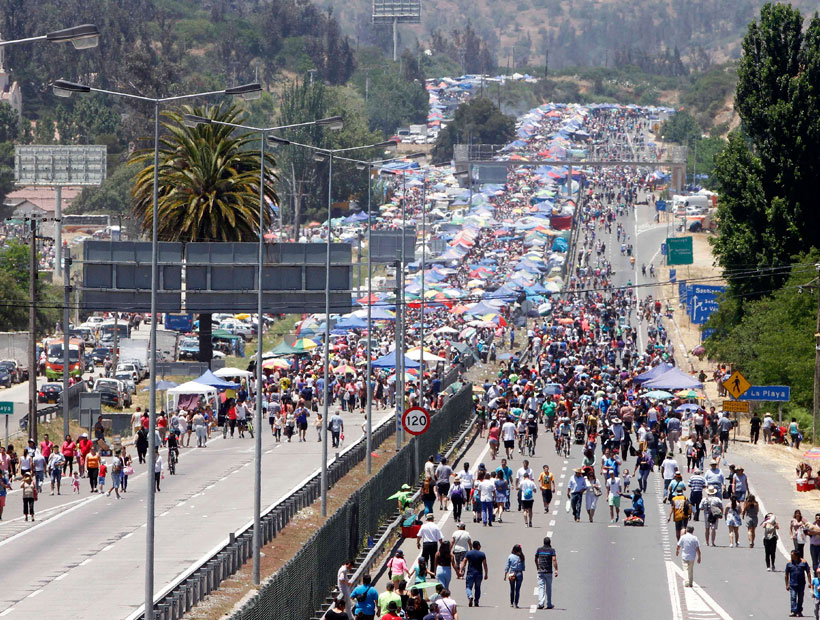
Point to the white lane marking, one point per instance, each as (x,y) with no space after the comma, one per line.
(197,495)
(108,547)
(40,513)
(165,513)
(552,522)
(128,535)
(564,468)
(61,577)
(555,512)
(549,533)
(712,603)
(35,593)
(210,486)
(48,521)
(6,612)
(674,600)
(533,608)
(560,484)
(563,476)
(85,561)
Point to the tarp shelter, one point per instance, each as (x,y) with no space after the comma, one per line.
(673,379)
(351,322)
(232,372)
(389,361)
(210,379)
(654,372)
(188,394)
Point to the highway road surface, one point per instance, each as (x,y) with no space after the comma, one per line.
(84,557)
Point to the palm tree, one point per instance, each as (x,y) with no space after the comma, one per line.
(208,186)
(208,180)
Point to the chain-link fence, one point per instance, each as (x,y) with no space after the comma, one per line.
(300,587)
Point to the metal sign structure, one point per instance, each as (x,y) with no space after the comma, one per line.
(51,166)
(6,408)
(768,393)
(736,385)
(401,11)
(385,245)
(736,406)
(416,420)
(679,251)
(215,277)
(489,173)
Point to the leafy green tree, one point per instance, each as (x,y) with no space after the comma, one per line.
(680,128)
(208,186)
(208,180)
(769,184)
(478,121)
(14,282)
(113,196)
(9,123)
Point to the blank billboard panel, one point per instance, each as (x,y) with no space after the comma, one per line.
(401,11)
(386,244)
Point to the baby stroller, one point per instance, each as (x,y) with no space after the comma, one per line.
(580,431)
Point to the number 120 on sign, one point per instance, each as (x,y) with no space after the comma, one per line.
(416,420)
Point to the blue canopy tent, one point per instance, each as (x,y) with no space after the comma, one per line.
(654,372)
(674,379)
(351,322)
(389,361)
(210,379)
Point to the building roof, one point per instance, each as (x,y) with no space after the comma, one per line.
(44,197)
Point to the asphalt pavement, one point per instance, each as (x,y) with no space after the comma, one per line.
(85,558)
(607,570)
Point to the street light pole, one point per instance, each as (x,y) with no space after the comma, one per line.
(326,404)
(369,324)
(64,88)
(257,465)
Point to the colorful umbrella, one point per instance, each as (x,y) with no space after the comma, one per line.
(344,369)
(658,395)
(304,344)
(812,454)
(274,363)
(689,394)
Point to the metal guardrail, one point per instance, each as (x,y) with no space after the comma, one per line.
(378,548)
(185,592)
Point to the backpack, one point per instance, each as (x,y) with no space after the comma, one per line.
(716,509)
(680,507)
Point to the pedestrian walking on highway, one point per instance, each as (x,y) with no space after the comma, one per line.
(68,449)
(116,474)
(547,482)
(4,488)
(546,562)
(575,491)
(444,561)
(796,574)
(157,467)
(696,485)
(613,490)
(461,543)
(594,491)
(770,527)
(750,514)
(474,568)
(514,573)
(712,507)
(428,538)
(142,444)
(127,469)
(56,460)
(688,549)
(526,490)
(458,496)
(29,489)
(343,583)
(92,467)
(797,529)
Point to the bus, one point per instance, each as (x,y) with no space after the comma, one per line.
(54,358)
(106,329)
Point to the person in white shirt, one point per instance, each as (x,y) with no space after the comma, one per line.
(689,550)
(486,493)
(508,436)
(668,468)
(428,538)
(526,495)
(614,486)
(461,543)
(343,582)
(157,467)
(519,477)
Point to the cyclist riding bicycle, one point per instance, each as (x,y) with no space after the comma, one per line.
(532,433)
(562,435)
(173,453)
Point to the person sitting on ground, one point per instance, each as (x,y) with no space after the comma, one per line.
(637,509)
(803,470)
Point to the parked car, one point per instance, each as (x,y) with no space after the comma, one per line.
(127,381)
(112,398)
(189,349)
(13,369)
(50,393)
(238,328)
(5,377)
(86,333)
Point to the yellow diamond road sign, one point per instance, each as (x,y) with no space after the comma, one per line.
(736,385)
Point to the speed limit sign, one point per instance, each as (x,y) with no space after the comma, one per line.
(416,420)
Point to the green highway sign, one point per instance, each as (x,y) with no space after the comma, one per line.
(6,408)
(679,251)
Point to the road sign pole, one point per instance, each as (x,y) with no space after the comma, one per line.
(780,414)
(66,336)
(7,433)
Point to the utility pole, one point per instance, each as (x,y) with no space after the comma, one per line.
(816,363)
(398,385)
(115,354)
(32,329)
(66,337)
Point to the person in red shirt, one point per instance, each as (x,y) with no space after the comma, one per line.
(84,447)
(46,446)
(392,612)
(68,452)
(162,426)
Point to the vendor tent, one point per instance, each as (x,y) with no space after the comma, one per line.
(654,372)
(232,372)
(210,379)
(673,379)
(389,361)
(188,394)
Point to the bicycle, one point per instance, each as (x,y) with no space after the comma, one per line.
(249,426)
(225,428)
(172,462)
(565,445)
(531,445)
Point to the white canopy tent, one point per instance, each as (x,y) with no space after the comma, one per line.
(191,387)
(229,372)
